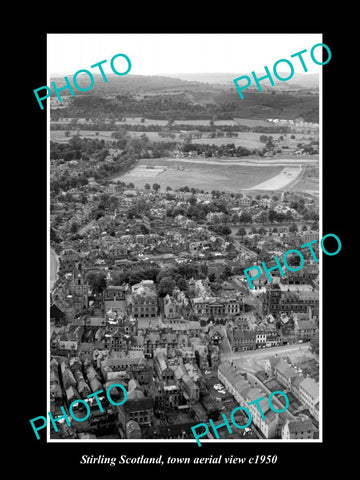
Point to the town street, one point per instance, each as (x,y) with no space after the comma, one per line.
(266,352)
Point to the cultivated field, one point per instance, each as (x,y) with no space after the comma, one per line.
(250,140)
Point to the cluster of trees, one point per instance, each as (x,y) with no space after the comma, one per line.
(222,229)
(228,150)
(311,148)
(172,106)
(166,279)
(198,212)
(167,130)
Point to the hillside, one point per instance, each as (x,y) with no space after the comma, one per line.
(299,80)
(166,97)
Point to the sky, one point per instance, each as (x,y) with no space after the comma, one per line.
(156,54)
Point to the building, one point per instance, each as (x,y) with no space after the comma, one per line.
(234,383)
(305,276)
(309,395)
(144,299)
(267,425)
(165,395)
(190,390)
(137,408)
(284,373)
(162,370)
(115,293)
(278,301)
(241,339)
(135,367)
(304,329)
(217,307)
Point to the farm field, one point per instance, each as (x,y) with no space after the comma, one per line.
(252,122)
(244,139)
(59,135)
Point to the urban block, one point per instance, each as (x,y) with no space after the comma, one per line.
(283,61)
(75,76)
(286,265)
(226,424)
(71,410)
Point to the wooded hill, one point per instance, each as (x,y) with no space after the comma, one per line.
(166,98)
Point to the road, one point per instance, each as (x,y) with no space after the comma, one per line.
(225,346)
(240,247)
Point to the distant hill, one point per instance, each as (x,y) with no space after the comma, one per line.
(165,97)
(140,84)
(299,80)
(129,84)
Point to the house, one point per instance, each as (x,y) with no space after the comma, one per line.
(270,365)
(284,372)
(151,343)
(244,201)
(165,395)
(115,292)
(138,408)
(215,334)
(234,382)
(242,340)
(304,329)
(189,389)
(309,394)
(162,370)
(137,367)
(295,384)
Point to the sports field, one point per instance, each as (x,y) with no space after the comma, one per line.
(228,175)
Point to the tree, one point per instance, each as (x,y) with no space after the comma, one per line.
(245,218)
(156,187)
(293,228)
(181,283)
(97,281)
(241,232)
(212,277)
(147,186)
(166,286)
(226,273)
(74,227)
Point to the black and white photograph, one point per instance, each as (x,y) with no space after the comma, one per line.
(186,248)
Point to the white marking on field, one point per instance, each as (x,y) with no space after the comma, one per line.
(286,176)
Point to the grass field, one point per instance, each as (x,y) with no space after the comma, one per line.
(248,140)
(252,122)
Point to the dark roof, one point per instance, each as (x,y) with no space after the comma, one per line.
(138,404)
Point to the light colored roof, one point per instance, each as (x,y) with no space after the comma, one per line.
(298,426)
(310,386)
